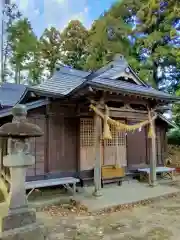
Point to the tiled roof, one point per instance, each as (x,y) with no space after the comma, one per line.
(62,82)
(11,93)
(128,87)
(66,80)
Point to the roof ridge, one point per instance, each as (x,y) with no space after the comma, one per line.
(70,71)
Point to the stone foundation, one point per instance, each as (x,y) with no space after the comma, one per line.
(18,219)
(29,232)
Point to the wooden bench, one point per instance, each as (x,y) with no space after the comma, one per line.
(164,171)
(66,182)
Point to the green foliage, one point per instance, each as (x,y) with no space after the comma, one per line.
(149,47)
(24,44)
(74,39)
(100,47)
(152,38)
(174,136)
(35,66)
(11,14)
(50,44)
(157,20)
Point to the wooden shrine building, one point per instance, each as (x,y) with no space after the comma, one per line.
(61,107)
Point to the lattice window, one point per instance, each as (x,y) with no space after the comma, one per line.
(118,138)
(86,132)
(121,138)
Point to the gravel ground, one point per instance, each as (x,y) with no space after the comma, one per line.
(158,220)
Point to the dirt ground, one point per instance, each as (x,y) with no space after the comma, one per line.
(159,220)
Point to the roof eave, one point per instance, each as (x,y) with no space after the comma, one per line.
(170,123)
(30,106)
(169,99)
(44,93)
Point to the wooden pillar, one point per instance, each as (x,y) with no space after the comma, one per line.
(97,165)
(46,150)
(153,159)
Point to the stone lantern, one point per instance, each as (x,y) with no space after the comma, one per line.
(18,159)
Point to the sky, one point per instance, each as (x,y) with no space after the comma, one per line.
(57,13)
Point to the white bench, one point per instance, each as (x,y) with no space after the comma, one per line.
(53,182)
(165,171)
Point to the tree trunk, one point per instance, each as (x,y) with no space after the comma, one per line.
(5,63)
(155,75)
(19,76)
(16,74)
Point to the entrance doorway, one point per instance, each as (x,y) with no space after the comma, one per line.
(113,151)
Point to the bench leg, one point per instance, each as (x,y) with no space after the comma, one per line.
(81,182)
(69,188)
(149,179)
(169,175)
(141,177)
(120,183)
(74,188)
(30,193)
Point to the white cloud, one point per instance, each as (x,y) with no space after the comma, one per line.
(57,13)
(86,9)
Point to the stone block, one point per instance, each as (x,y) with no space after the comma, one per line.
(29,232)
(18,219)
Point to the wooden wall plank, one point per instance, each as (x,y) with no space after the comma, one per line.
(37,145)
(136,146)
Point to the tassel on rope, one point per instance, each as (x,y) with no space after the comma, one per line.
(107,133)
(150,132)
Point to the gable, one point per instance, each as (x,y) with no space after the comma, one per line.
(118,69)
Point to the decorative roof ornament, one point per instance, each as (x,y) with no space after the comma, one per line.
(127,70)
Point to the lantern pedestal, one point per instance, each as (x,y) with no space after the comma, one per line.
(18,213)
(28,232)
(20,221)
